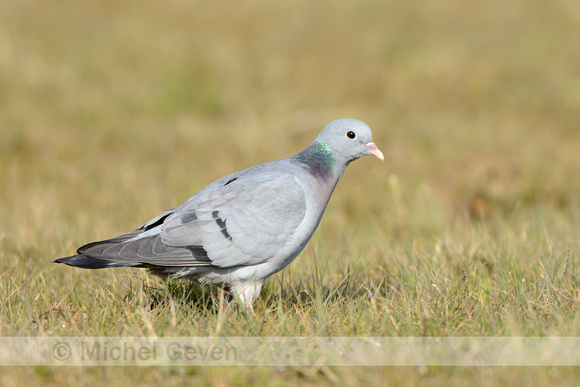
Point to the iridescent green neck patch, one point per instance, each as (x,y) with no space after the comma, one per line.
(318,158)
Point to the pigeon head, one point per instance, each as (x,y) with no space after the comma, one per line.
(339,143)
(349,139)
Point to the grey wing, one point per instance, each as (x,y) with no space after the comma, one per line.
(143,247)
(241,222)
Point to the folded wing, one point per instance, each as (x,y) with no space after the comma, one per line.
(243,220)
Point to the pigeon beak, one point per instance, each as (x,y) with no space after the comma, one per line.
(375,151)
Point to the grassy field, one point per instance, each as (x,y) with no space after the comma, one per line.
(111,112)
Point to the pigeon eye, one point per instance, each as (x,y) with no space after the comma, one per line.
(350,134)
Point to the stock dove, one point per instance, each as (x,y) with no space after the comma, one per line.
(244,227)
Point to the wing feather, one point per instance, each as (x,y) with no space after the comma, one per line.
(245,221)
(255,216)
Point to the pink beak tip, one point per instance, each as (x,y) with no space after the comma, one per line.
(375,151)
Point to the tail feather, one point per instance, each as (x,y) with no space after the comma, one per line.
(85,262)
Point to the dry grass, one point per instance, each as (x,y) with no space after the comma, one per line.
(111,112)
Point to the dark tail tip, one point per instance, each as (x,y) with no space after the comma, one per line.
(86,262)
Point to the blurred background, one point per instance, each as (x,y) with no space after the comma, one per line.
(111,112)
